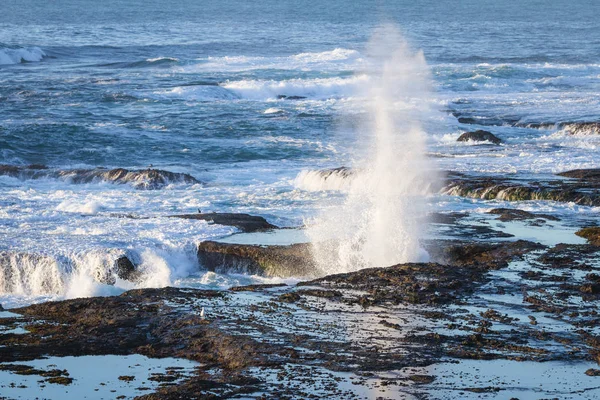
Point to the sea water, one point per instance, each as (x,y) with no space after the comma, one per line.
(249,98)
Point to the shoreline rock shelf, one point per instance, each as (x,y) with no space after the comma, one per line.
(244,222)
(340,335)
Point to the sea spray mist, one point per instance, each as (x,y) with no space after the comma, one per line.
(383,215)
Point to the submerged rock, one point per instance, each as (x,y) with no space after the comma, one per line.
(281,261)
(479,136)
(244,222)
(139,179)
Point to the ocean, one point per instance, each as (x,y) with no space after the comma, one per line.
(248,98)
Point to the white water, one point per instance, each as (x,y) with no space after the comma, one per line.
(380,221)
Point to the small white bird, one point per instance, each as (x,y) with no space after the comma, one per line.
(202,313)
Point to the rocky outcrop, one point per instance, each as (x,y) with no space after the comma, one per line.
(490,188)
(581,128)
(582,174)
(479,136)
(512,214)
(481,255)
(281,261)
(591,234)
(139,179)
(244,222)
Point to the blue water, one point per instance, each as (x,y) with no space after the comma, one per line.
(194,87)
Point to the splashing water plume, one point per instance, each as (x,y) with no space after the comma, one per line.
(380,221)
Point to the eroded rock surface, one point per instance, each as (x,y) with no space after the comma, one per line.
(280,261)
(244,222)
(140,179)
(479,136)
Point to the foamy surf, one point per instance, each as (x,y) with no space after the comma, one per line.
(20,55)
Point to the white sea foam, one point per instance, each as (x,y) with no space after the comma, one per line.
(272,110)
(378,223)
(336,59)
(339,179)
(320,88)
(89,207)
(19,55)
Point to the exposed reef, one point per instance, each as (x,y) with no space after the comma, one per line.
(139,179)
(244,222)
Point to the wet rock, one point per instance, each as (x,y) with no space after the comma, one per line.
(479,136)
(447,218)
(591,234)
(413,283)
(590,288)
(421,379)
(139,179)
(489,188)
(581,128)
(290,297)
(125,269)
(482,255)
(511,214)
(281,261)
(592,372)
(1,308)
(583,174)
(284,97)
(244,222)
(256,288)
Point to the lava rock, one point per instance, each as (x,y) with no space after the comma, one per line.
(125,269)
(479,136)
(511,214)
(591,234)
(280,261)
(244,222)
(583,174)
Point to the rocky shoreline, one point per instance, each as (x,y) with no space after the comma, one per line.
(484,298)
(305,340)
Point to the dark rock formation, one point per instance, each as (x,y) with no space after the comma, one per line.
(244,222)
(479,136)
(140,179)
(292,342)
(487,256)
(511,214)
(583,174)
(582,192)
(281,261)
(592,234)
(581,128)
(125,269)
(284,97)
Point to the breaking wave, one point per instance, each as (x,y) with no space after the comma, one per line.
(325,179)
(20,55)
(319,89)
(93,272)
(336,59)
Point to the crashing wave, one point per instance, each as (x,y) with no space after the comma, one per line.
(324,179)
(26,273)
(139,179)
(580,128)
(336,59)
(20,55)
(320,88)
